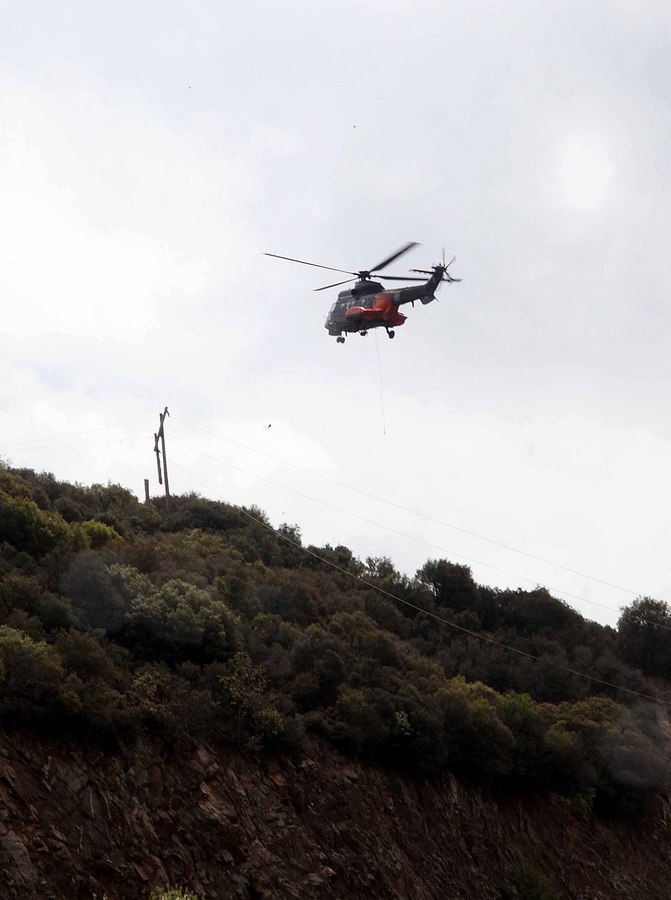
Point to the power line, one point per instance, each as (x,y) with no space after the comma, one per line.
(362,580)
(72,434)
(347,513)
(414,512)
(399,533)
(81,443)
(560,592)
(426,612)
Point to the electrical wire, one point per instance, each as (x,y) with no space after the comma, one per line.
(402,534)
(73,434)
(475,634)
(426,612)
(413,512)
(83,443)
(560,592)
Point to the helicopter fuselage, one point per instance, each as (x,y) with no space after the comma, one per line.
(369,305)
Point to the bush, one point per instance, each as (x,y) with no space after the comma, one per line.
(644,636)
(33,680)
(452,585)
(89,585)
(173,893)
(181,622)
(19,591)
(170,702)
(242,690)
(25,526)
(217,625)
(98,534)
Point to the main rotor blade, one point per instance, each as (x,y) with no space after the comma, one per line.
(390,259)
(316,265)
(401,278)
(347,281)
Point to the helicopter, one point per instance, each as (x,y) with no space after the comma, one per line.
(368,305)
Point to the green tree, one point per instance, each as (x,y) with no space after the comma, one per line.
(34,681)
(174,701)
(243,691)
(98,534)
(129,582)
(179,622)
(644,635)
(25,526)
(537,612)
(89,585)
(452,586)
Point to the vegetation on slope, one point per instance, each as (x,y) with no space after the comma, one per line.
(205,621)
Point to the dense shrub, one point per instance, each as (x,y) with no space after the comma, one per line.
(173,893)
(242,689)
(181,622)
(644,636)
(98,533)
(173,700)
(33,680)
(205,620)
(89,586)
(26,527)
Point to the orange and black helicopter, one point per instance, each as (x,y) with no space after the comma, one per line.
(368,305)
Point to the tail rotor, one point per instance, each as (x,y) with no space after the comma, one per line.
(442,268)
(446,266)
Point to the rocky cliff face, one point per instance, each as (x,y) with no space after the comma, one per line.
(78,822)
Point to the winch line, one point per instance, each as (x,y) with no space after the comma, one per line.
(379,366)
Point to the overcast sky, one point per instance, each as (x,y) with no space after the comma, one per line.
(150,152)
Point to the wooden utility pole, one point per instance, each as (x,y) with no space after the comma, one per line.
(161,435)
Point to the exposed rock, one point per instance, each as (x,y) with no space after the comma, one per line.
(76,822)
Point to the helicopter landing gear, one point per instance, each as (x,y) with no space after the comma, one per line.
(363,333)
(340,340)
(391,333)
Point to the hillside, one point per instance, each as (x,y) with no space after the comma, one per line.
(343,729)
(81,822)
